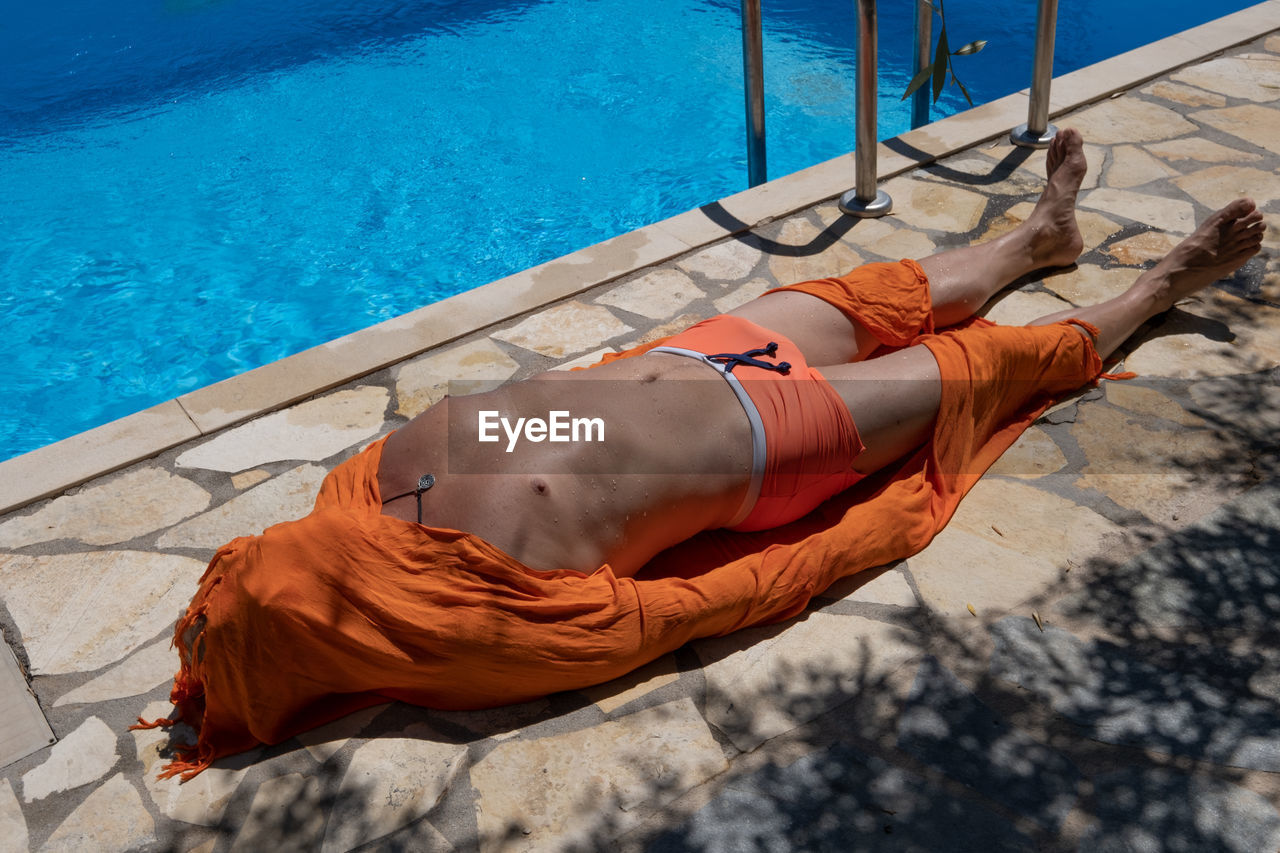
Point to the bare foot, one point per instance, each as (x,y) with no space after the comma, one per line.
(1219,247)
(1054,237)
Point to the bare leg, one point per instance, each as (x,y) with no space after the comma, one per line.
(895,399)
(960,280)
(1221,245)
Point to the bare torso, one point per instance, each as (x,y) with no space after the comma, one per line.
(674,460)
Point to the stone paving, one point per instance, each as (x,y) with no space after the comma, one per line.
(1085,659)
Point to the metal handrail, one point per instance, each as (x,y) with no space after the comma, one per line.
(864,200)
(1037,132)
(922,50)
(753,74)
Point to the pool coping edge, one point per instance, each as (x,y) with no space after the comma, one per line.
(54,468)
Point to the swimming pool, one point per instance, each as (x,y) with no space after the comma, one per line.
(193,188)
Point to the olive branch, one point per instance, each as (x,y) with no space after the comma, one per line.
(942,66)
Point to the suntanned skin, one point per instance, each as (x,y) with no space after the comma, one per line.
(572,506)
(581,505)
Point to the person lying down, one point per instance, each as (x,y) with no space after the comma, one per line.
(460,564)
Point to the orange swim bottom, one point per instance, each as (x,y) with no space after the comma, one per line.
(804,440)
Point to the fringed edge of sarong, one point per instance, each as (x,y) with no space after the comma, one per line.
(187,695)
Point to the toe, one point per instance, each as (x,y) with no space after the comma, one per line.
(1239,208)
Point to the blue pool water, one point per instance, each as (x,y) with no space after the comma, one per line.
(192,188)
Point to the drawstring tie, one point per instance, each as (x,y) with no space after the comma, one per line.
(731,360)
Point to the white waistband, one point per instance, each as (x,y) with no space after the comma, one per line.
(757,430)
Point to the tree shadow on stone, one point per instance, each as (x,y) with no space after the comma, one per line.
(1141,723)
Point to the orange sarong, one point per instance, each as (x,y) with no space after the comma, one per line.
(348,607)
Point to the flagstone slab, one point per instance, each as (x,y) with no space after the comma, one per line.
(1090,284)
(246,479)
(84,755)
(390,782)
(1037,162)
(612,695)
(465,369)
(1249,403)
(884,237)
(1120,120)
(312,431)
(983,174)
(112,819)
(1163,213)
(1164,474)
(106,513)
(81,612)
(25,731)
(1144,247)
(564,330)
(1218,186)
(946,727)
(204,798)
(286,815)
(903,243)
(588,360)
(1031,521)
(859,232)
(803,261)
(501,723)
(1194,710)
(885,587)
(1138,805)
(764,682)
(742,294)
(1007,543)
(841,799)
(1221,335)
(1188,96)
(141,672)
(667,329)
(960,569)
(1171,499)
(323,742)
(731,260)
(939,207)
(656,295)
(1215,579)
(1203,150)
(1149,401)
(1035,454)
(13,826)
(1018,307)
(1252,78)
(284,498)
(1131,167)
(1094,228)
(554,791)
(833,261)
(1253,123)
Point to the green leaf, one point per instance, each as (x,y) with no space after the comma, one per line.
(918,81)
(941,59)
(971,47)
(963,90)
